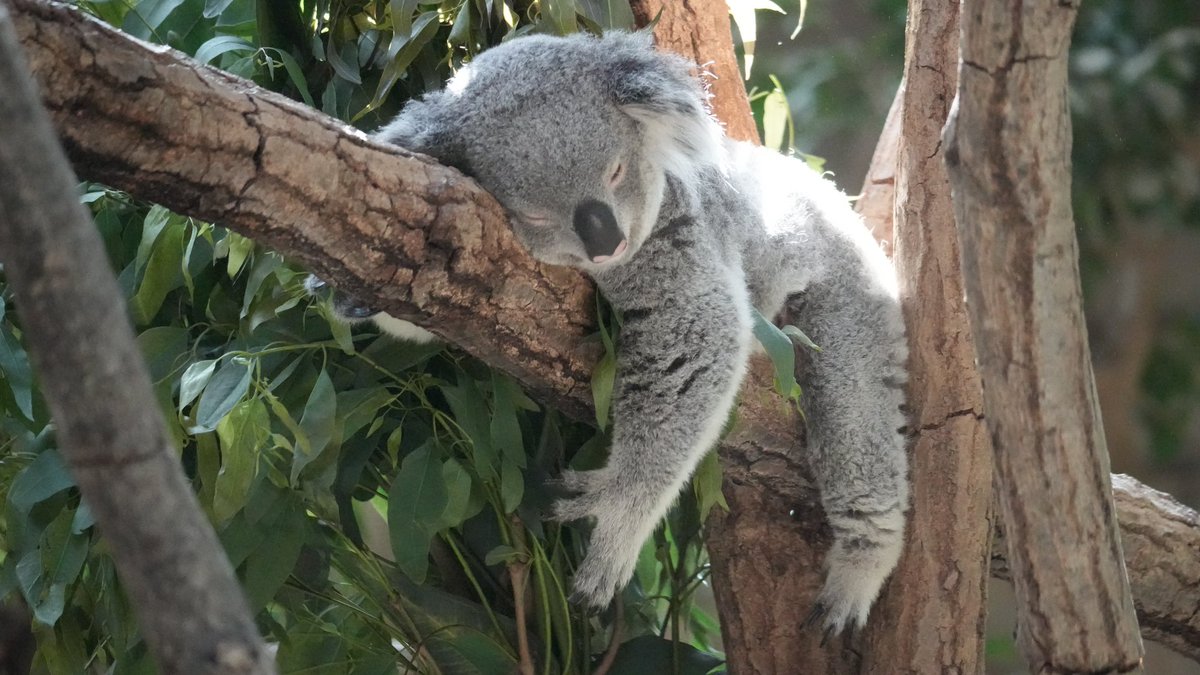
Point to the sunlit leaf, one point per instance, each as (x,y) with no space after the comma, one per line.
(243,433)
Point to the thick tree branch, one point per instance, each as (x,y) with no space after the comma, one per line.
(1008,153)
(188,602)
(408,235)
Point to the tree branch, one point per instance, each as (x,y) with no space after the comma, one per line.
(1008,154)
(189,605)
(415,238)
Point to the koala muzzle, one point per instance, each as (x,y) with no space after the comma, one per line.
(597,229)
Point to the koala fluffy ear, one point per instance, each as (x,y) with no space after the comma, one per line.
(659,91)
(426,125)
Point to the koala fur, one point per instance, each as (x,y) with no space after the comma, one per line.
(604,154)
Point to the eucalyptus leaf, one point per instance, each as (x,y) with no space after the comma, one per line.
(226,387)
(242,433)
(317,422)
(416,502)
(45,477)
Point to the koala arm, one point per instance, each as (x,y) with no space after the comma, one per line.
(853,393)
(681,357)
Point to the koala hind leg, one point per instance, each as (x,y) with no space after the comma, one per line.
(853,393)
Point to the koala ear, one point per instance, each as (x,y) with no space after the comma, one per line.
(427,126)
(645,82)
(660,93)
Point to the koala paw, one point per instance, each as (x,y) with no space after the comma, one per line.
(616,540)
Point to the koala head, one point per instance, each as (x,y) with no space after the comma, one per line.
(574,136)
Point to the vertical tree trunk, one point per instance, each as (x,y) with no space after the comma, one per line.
(188,603)
(934,623)
(1008,148)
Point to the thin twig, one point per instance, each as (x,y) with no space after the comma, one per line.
(518,572)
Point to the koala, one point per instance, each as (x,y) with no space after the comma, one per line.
(605,156)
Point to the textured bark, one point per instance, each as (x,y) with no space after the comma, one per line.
(1008,151)
(262,163)
(877,200)
(1161,538)
(699,29)
(187,600)
(943,572)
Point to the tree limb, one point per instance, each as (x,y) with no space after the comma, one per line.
(1008,154)
(189,605)
(410,236)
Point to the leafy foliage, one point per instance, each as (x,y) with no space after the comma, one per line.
(376,498)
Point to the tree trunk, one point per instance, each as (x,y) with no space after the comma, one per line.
(188,602)
(1008,149)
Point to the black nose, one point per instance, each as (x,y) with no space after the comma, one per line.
(597,229)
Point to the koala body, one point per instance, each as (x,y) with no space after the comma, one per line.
(604,154)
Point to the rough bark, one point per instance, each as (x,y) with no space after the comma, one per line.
(699,29)
(1008,151)
(161,151)
(1161,538)
(943,572)
(188,602)
(877,200)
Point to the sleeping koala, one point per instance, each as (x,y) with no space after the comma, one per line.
(606,158)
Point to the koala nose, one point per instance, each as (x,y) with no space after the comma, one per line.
(597,229)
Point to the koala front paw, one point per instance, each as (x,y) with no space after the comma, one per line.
(621,527)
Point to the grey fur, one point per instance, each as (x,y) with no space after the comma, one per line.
(551,126)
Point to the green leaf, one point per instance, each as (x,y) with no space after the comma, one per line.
(45,573)
(797,336)
(144,19)
(224,390)
(295,74)
(458,494)
(603,377)
(242,433)
(512,486)
(559,15)
(505,428)
(340,59)
(776,120)
(162,274)
(706,482)
(162,346)
(608,14)
(501,555)
(194,380)
(239,248)
(782,353)
(416,502)
(273,561)
(221,44)
(317,422)
(471,412)
(213,8)
(17,375)
(45,477)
